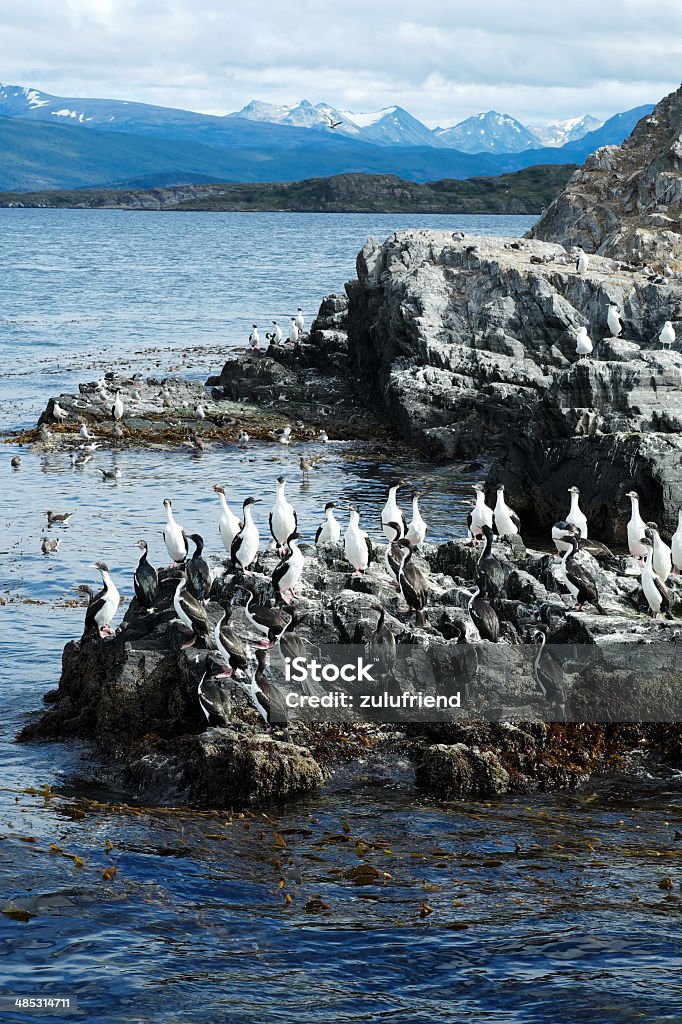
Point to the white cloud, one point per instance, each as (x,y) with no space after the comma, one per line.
(442,61)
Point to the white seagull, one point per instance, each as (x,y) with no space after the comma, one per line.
(667,335)
(294,332)
(583,261)
(583,342)
(613,320)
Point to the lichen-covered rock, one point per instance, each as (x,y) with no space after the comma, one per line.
(461,771)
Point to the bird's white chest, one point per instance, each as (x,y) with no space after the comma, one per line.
(355,547)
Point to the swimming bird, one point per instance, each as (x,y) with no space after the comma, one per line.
(299,319)
(549,675)
(394,555)
(329,531)
(58,518)
(59,414)
(507,522)
(287,574)
(282,434)
(231,648)
(104,605)
(117,409)
(269,622)
(575,515)
(662,557)
(228,525)
(294,333)
(213,699)
(198,571)
(323,437)
(489,568)
(283,520)
(243,439)
(667,335)
(245,545)
(676,543)
(145,580)
(655,590)
(613,320)
(275,336)
(48,546)
(192,613)
(392,514)
(483,615)
(578,581)
(254,337)
(582,261)
(381,646)
(15,461)
(174,535)
(636,528)
(416,530)
(481,515)
(80,460)
(413,584)
(583,342)
(357,547)
(111,474)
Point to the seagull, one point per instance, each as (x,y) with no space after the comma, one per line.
(111,474)
(85,433)
(613,320)
(44,433)
(667,335)
(583,261)
(60,518)
(583,342)
(282,434)
(323,437)
(15,461)
(254,337)
(243,439)
(117,407)
(49,546)
(59,413)
(332,122)
(200,412)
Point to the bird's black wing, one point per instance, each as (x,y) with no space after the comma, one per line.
(319,531)
(234,550)
(93,609)
(370,549)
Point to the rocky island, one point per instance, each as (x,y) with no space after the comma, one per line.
(465,346)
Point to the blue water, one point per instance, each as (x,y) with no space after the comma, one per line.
(196,925)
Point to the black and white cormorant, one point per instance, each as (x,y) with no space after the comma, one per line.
(199,576)
(283,520)
(245,545)
(357,547)
(287,574)
(213,698)
(192,613)
(507,522)
(391,514)
(329,532)
(104,605)
(655,590)
(413,585)
(381,645)
(174,536)
(269,622)
(231,648)
(145,581)
(395,553)
(480,515)
(489,567)
(483,615)
(549,675)
(578,580)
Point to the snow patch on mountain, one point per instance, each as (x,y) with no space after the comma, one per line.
(561,132)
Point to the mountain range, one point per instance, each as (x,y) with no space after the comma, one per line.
(51,142)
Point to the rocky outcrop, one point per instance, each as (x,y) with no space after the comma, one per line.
(469,344)
(626,201)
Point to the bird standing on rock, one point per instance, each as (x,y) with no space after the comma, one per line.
(655,590)
(174,536)
(283,519)
(481,515)
(104,605)
(483,615)
(299,319)
(117,408)
(583,343)
(357,547)
(507,522)
(294,332)
(59,414)
(576,516)
(229,526)
(145,581)
(329,532)
(583,261)
(636,528)
(275,335)
(245,545)
(192,613)
(413,584)
(287,574)
(662,556)
(392,514)
(416,530)
(254,338)
(199,576)
(613,320)
(578,581)
(667,335)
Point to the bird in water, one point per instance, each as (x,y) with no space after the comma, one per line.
(275,336)
(549,676)
(583,343)
(416,530)
(192,613)
(357,547)
(381,645)
(578,581)
(15,461)
(323,437)
(676,543)
(174,536)
(329,531)
(283,520)
(413,584)
(282,434)
(636,528)
(306,464)
(489,568)
(582,261)
(667,335)
(483,615)
(58,413)
(199,576)
(245,545)
(48,547)
(655,590)
(507,522)
(299,319)
(613,320)
(117,409)
(230,647)
(390,513)
(481,515)
(228,525)
(662,558)
(269,622)
(58,518)
(145,580)
(104,605)
(213,699)
(254,338)
(294,332)
(243,439)
(287,574)
(111,474)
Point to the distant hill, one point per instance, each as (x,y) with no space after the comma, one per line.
(524,192)
(489,133)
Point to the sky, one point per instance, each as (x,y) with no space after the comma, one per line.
(539,60)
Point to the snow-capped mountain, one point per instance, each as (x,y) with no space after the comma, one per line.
(299,115)
(488,133)
(561,132)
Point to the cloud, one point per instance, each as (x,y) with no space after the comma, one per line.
(440,61)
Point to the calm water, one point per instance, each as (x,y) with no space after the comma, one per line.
(209,918)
